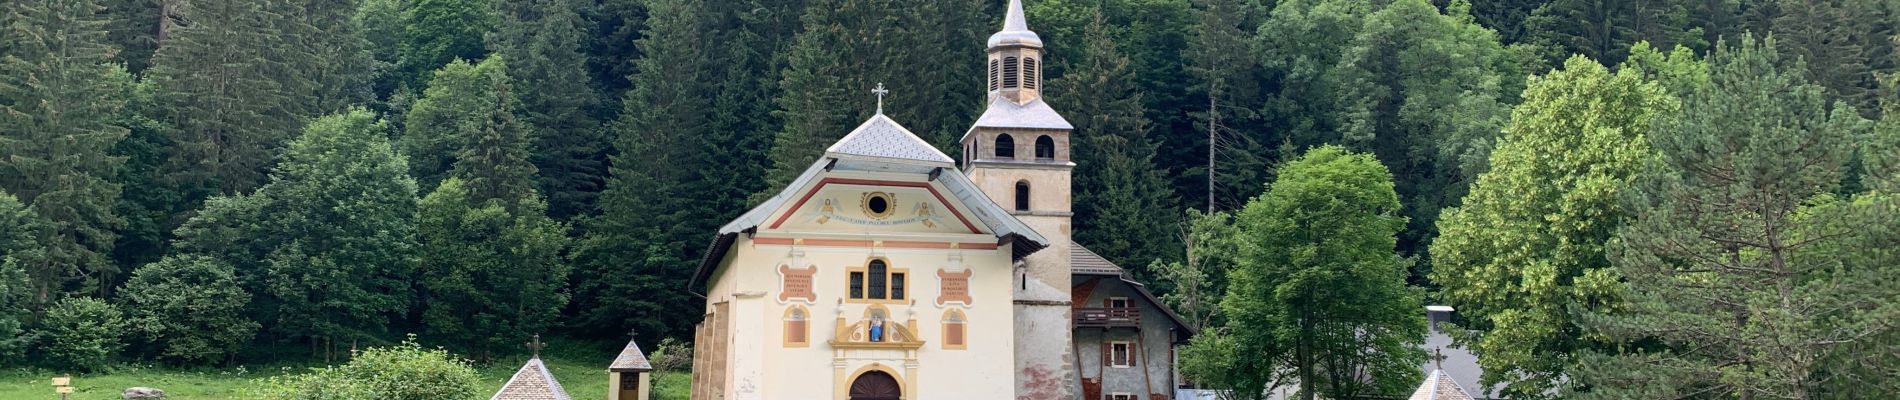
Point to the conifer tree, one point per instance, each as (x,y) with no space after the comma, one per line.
(464,101)
(493,159)
(18,247)
(542,41)
(227,107)
(339,221)
(640,242)
(58,100)
(748,70)
(848,47)
(331,67)
(436,32)
(1846,44)
(1741,258)
(1123,204)
(1225,74)
(1421,89)
(135,27)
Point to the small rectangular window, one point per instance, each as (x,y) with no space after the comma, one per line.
(857,285)
(1118,302)
(1121,355)
(1122,396)
(897,286)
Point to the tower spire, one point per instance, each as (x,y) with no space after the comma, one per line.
(1014,21)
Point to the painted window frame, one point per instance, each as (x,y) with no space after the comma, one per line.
(956,317)
(1127,359)
(797,313)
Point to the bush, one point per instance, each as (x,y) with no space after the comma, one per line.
(82,333)
(188,306)
(672,355)
(401,372)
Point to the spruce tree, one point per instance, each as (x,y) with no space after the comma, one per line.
(58,101)
(1847,45)
(1741,259)
(1226,83)
(493,158)
(748,70)
(542,41)
(640,243)
(18,247)
(227,107)
(1123,204)
(135,27)
(331,67)
(436,32)
(464,101)
(848,47)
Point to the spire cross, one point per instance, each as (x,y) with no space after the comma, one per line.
(880,92)
(536,345)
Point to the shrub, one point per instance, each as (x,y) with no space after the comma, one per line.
(672,355)
(82,333)
(402,372)
(189,306)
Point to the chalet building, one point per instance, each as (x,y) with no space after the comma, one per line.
(888,270)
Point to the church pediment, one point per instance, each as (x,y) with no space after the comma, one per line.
(873,206)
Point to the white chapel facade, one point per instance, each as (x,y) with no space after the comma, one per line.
(885,271)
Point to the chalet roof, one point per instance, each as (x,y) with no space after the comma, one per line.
(880,145)
(880,137)
(1440,386)
(1085,262)
(532,382)
(631,359)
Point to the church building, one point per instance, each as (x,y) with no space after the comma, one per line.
(889,270)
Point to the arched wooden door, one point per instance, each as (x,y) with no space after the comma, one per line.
(876,385)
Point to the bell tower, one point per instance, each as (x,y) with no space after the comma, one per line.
(1018,154)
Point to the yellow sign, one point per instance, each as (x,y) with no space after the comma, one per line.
(63,390)
(62,381)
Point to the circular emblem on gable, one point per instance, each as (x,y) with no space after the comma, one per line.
(878,205)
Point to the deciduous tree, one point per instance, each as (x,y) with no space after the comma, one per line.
(189,307)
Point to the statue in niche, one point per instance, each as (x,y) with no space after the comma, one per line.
(877,327)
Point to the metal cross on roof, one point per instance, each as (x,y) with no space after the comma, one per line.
(880,91)
(536,345)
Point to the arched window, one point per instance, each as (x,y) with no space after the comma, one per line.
(1029,72)
(954,333)
(993,70)
(1022,195)
(1045,147)
(1009,72)
(1005,146)
(797,331)
(878,281)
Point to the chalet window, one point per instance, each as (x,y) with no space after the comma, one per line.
(1118,302)
(1029,73)
(1010,72)
(1045,148)
(1121,396)
(1005,146)
(878,281)
(796,333)
(1022,195)
(1121,354)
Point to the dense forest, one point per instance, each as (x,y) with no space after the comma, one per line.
(201,182)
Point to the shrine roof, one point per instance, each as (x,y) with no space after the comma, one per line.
(631,359)
(532,382)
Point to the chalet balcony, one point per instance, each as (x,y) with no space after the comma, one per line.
(1120,317)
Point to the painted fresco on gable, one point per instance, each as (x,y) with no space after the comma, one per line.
(866,208)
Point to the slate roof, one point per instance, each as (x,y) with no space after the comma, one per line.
(1439,386)
(861,151)
(1036,114)
(1083,261)
(532,382)
(631,360)
(881,137)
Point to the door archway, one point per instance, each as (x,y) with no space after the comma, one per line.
(876,385)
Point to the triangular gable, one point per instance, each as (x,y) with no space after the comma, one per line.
(532,382)
(631,359)
(1085,262)
(881,137)
(977,212)
(1439,386)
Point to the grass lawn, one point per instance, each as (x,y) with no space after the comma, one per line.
(584,379)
